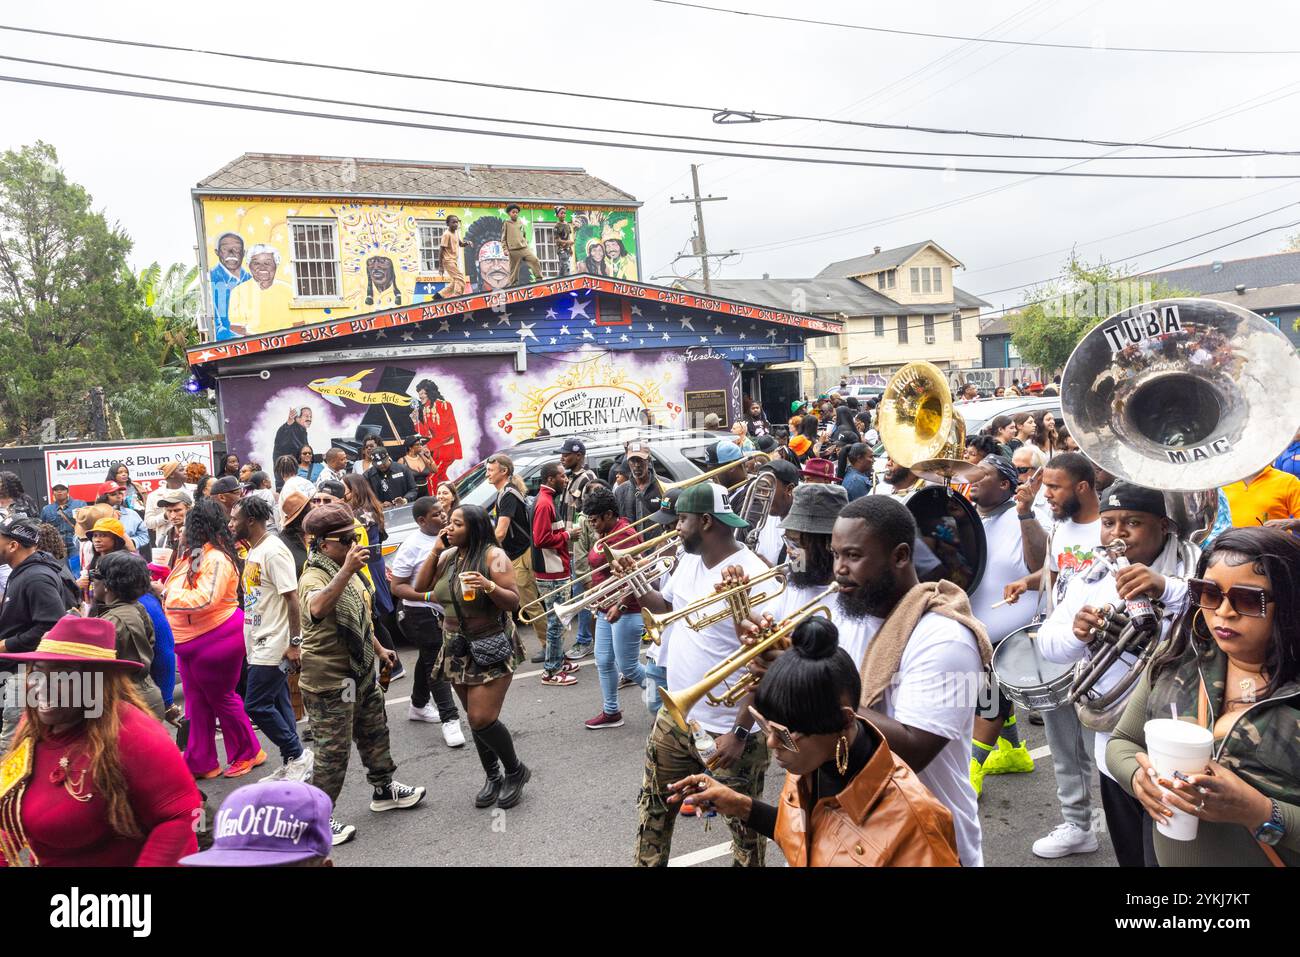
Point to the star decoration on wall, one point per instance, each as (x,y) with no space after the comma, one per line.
(444,326)
(686,323)
(525,331)
(586,334)
(623,338)
(408,335)
(749,357)
(467,333)
(553,340)
(578,308)
(666,337)
(550,314)
(503,319)
(717,330)
(704,338)
(636,310)
(650,326)
(381,334)
(742,335)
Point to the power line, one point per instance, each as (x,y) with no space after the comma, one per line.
(391,74)
(588,129)
(967,39)
(645,147)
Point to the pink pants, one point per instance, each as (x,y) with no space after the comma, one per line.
(210,665)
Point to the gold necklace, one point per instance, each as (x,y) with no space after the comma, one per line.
(77,789)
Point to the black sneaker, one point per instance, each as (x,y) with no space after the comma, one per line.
(395,796)
(487,795)
(538,658)
(340,833)
(513,787)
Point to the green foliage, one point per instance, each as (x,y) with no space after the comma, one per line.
(1292,244)
(1056,316)
(72,315)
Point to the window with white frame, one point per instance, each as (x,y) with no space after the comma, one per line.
(929,327)
(925,279)
(916,279)
(826,343)
(902,330)
(430,232)
(888,279)
(548,253)
(937,274)
(956,327)
(880,325)
(314,245)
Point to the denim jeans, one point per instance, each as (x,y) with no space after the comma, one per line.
(585,620)
(552,592)
(422,628)
(618,650)
(656,677)
(267,702)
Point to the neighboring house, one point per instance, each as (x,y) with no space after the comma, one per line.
(336,236)
(899,305)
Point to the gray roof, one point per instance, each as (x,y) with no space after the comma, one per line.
(968,300)
(885,259)
(1277,269)
(821,296)
(260,173)
(996,327)
(1262,300)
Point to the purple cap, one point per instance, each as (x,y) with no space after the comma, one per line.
(269,823)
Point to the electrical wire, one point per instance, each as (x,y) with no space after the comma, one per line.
(966,39)
(282,61)
(645,147)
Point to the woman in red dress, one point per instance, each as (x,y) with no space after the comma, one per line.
(435,420)
(92,779)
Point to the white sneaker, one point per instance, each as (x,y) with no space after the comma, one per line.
(301,767)
(340,833)
(279,774)
(1066,839)
(428,713)
(452,734)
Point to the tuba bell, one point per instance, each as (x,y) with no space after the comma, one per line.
(1182,395)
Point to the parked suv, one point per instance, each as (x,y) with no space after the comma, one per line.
(676,454)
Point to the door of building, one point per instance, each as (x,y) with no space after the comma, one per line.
(777,390)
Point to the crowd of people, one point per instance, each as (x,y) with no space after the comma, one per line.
(271,600)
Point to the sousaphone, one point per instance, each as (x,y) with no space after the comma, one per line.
(1185,396)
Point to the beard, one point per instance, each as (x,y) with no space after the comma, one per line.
(873,598)
(1068,509)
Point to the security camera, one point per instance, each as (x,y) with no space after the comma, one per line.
(264,374)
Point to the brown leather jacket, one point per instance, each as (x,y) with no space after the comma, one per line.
(885,818)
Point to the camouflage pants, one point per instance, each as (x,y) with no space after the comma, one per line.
(336,722)
(670,756)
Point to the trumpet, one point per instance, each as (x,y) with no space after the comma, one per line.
(535,610)
(739,604)
(762,458)
(679,704)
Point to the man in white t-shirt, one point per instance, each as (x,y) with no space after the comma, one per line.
(707,526)
(1016,543)
(1068,484)
(420,619)
(1135,516)
(272,636)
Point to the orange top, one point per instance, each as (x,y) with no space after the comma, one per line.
(196,604)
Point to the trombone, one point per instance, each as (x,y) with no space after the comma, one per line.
(535,610)
(679,704)
(739,604)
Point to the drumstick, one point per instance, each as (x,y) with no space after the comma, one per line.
(999,604)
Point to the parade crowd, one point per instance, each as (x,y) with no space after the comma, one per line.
(219,606)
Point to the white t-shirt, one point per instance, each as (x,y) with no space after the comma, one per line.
(692,653)
(1057,642)
(769,542)
(1042,510)
(408,560)
(268,573)
(936,690)
(1005,564)
(1071,549)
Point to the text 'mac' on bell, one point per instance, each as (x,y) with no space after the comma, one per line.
(1182,394)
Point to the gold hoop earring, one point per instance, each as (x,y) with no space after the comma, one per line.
(842,755)
(1205,625)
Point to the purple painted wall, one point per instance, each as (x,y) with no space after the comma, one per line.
(489,405)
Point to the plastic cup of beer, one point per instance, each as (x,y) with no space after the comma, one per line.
(162,556)
(1178,746)
(467,591)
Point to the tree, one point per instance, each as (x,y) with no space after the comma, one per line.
(71,315)
(1292,244)
(1056,316)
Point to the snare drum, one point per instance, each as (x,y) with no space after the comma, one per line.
(1026,677)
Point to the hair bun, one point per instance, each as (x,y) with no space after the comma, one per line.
(815,639)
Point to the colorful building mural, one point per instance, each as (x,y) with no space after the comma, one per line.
(281,262)
(466,406)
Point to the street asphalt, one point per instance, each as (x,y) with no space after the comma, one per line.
(580,806)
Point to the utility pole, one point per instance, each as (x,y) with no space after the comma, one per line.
(699,242)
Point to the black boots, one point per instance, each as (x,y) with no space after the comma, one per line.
(513,788)
(487,796)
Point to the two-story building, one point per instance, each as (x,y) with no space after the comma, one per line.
(336,261)
(898,306)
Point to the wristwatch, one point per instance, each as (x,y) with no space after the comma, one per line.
(741,734)
(295,641)
(1273,830)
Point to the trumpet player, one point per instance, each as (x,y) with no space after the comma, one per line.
(1136,517)
(739,759)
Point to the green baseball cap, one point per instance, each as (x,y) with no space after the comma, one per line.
(708,498)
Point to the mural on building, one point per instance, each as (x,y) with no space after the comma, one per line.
(343,259)
(465,406)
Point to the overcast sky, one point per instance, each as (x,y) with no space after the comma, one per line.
(140,158)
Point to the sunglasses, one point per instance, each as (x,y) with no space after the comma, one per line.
(347,541)
(1247,600)
(771,728)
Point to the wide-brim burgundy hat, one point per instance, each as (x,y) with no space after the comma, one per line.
(80,641)
(820,468)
